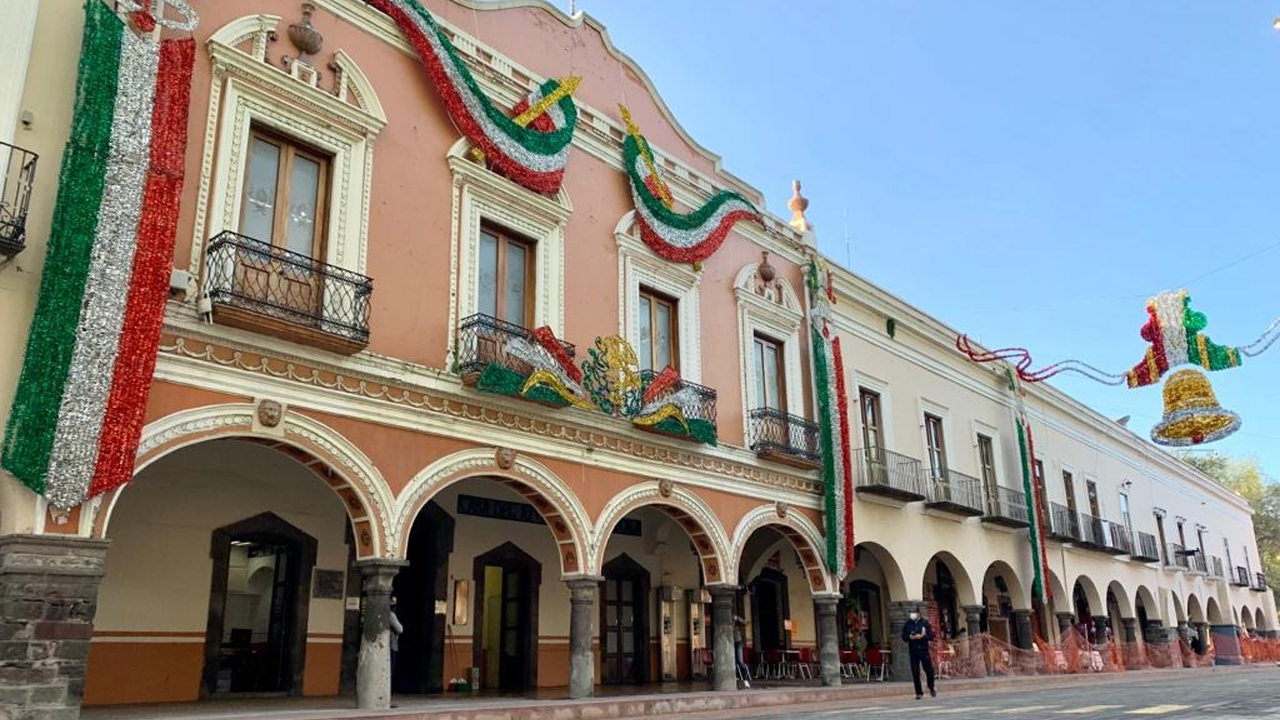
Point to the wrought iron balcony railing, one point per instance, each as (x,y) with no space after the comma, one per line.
(17,175)
(1007,507)
(886,473)
(1064,523)
(1121,539)
(1176,556)
(1197,563)
(696,402)
(955,492)
(258,286)
(1145,548)
(1215,568)
(484,340)
(1241,577)
(1099,534)
(783,437)
(1259,582)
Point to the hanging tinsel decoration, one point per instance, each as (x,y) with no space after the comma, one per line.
(1036,512)
(1192,415)
(833,416)
(533,148)
(683,238)
(77,413)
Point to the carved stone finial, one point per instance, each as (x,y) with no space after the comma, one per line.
(504,457)
(269,413)
(766,270)
(797,205)
(781,508)
(305,37)
(666,486)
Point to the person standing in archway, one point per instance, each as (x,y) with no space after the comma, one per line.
(917,633)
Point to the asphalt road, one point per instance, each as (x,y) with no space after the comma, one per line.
(1226,694)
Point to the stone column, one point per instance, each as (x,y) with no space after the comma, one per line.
(1022,618)
(1155,633)
(373,675)
(973,619)
(1130,626)
(582,620)
(1202,632)
(48,597)
(828,637)
(725,673)
(898,612)
(1226,645)
(1100,630)
(1065,621)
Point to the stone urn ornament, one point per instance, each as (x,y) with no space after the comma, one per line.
(303,34)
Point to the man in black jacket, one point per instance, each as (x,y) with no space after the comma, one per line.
(917,633)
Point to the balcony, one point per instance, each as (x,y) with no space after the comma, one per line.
(1104,535)
(1175,556)
(1240,578)
(692,413)
(955,493)
(784,438)
(1197,564)
(1121,539)
(263,288)
(887,474)
(1215,568)
(17,175)
(1007,507)
(1064,523)
(1259,583)
(1145,548)
(494,356)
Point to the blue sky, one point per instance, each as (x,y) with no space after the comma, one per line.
(1028,173)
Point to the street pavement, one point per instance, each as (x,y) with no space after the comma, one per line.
(1226,694)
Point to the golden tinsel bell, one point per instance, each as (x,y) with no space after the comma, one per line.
(1192,414)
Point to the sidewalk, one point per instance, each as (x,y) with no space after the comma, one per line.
(650,704)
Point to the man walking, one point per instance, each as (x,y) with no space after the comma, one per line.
(917,633)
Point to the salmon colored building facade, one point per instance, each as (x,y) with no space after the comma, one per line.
(388,368)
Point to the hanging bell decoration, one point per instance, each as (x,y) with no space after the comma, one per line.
(1192,415)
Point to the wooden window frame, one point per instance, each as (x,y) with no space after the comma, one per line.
(871,399)
(290,148)
(1069,483)
(779,348)
(941,449)
(1092,497)
(673,317)
(506,237)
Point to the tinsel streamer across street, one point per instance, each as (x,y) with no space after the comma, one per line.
(77,412)
(533,155)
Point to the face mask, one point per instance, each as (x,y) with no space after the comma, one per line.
(915,616)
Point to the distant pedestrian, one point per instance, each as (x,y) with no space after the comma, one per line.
(396,631)
(917,633)
(739,640)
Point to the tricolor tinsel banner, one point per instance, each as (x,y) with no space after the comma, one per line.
(1036,511)
(679,237)
(532,148)
(78,411)
(833,421)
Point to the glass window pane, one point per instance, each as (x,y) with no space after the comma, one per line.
(662,321)
(611,615)
(304,196)
(514,291)
(762,398)
(646,333)
(771,376)
(488,287)
(611,642)
(260,190)
(628,642)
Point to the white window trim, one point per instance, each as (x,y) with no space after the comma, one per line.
(481,195)
(924,405)
(246,91)
(997,451)
(862,380)
(638,266)
(780,321)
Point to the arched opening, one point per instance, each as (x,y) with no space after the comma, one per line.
(1246,618)
(1199,630)
(505,645)
(1119,609)
(673,538)
(1002,593)
(1089,609)
(1258,622)
(868,591)
(1148,614)
(419,587)
(947,589)
(1213,613)
(246,592)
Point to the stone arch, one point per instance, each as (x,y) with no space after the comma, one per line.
(803,536)
(1147,600)
(1195,613)
(1059,596)
(335,459)
(1246,618)
(1213,613)
(543,489)
(1018,591)
(893,577)
(1097,608)
(966,592)
(1124,601)
(688,510)
(1179,614)
(1259,620)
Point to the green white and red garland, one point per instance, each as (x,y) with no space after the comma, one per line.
(79,407)
(533,154)
(553,380)
(680,237)
(1036,511)
(833,416)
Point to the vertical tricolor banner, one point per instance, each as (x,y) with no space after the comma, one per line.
(1036,511)
(833,421)
(78,411)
